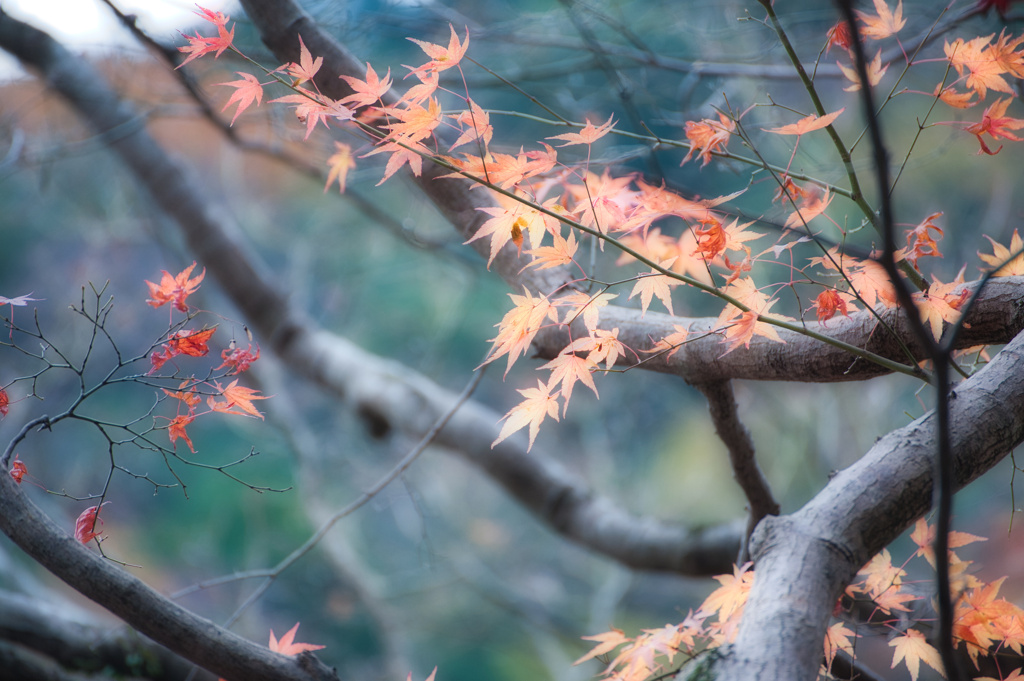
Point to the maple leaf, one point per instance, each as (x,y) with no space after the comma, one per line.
(287,646)
(839,36)
(476,124)
(924,537)
(199,45)
(312,108)
(829,302)
(519,325)
(709,137)
(237,359)
(399,157)
(913,649)
(893,599)
(813,204)
(837,637)
(176,429)
(603,201)
(506,224)
(18,469)
(442,58)
(974,58)
(1015,675)
(875,73)
(870,280)
(189,397)
(729,599)
(808,124)
(959,100)
(580,303)
(743,330)
(920,241)
(561,253)
(1001,257)
(601,346)
(307,66)
(886,23)
(339,163)
(587,135)
(248,90)
(538,405)
(85,525)
(653,285)
(235,398)
(672,341)
(367,92)
(175,289)
(996,123)
(881,574)
(939,304)
(568,368)
(192,343)
(978,615)
(5,403)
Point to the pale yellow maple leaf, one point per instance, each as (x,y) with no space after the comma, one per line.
(913,649)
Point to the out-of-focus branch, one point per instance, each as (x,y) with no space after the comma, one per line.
(45,628)
(725,416)
(385,393)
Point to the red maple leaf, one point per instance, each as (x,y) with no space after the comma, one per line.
(176,429)
(191,343)
(18,469)
(175,289)
(85,525)
(5,402)
(248,90)
(199,45)
(237,359)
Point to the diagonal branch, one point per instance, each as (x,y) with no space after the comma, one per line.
(725,416)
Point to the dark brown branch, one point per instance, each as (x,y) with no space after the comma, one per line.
(742,458)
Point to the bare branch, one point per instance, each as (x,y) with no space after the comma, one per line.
(724,414)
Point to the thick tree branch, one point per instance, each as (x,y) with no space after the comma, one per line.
(192,637)
(804,560)
(385,393)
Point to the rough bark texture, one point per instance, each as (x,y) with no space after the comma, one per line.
(805,559)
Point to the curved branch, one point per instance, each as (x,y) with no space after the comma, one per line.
(804,560)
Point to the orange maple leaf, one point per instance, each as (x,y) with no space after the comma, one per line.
(672,341)
(192,343)
(190,398)
(881,575)
(85,525)
(939,304)
(924,536)
(568,368)
(339,163)
(653,285)
(984,68)
(813,203)
(875,73)
(728,600)
(913,649)
(236,400)
(287,646)
(870,280)
(884,24)
(807,124)
(476,125)
(176,429)
(606,642)
(587,135)
(709,137)
(837,637)
(921,242)
(959,100)
(829,302)
(1001,257)
(399,157)
(307,66)
(538,405)
(561,253)
(519,325)
(175,289)
(367,92)
(996,123)
(414,122)
(442,58)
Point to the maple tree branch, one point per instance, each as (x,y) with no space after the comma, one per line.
(725,416)
(863,508)
(381,391)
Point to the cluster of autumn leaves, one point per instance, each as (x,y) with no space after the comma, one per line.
(984,624)
(546,208)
